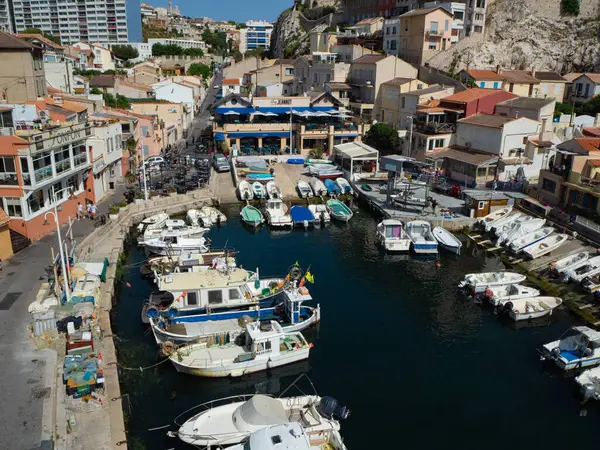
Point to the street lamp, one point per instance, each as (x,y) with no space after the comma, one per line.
(144,172)
(410,135)
(60,249)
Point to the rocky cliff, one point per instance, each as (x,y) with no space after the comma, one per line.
(520,36)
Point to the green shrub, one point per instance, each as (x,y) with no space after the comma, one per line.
(570,7)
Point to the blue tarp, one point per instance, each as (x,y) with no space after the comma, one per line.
(301,214)
(219,137)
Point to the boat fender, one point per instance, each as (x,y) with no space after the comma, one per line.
(555,353)
(488,293)
(173,312)
(152,312)
(508,306)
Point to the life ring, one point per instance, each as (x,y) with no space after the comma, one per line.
(295,273)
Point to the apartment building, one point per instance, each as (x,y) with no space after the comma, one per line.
(424,33)
(585,87)
(144,50)
(106,148)
(257,34)
(21,71)
(322,41)
(6,23)
(72,21)
(183,43)
(458,10)
(475,13)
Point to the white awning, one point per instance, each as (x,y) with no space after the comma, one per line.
(356,150)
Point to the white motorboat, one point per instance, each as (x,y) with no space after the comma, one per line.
(259,348)
(479,282)
(570,262)
(531,307)
(291,436)
(318,187)
(447,240)
(212,215)
(499,295)
(344,186)
(175,245)
(590,268)
(196,217)
(245,190)
(189,262)
(391,235)
(421,237)
(489,220)
(522,243)
(409,200)
(304,189)
(277,213)
(579,349)
(520,229)
(259,190)
(589,382)
(231,420)
(506,222)
(546,245)
(174,228)
(591,284)
(273,190)
(320,213)
(154,222)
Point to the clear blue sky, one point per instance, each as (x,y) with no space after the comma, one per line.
(238,10)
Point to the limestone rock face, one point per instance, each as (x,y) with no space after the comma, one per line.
(519,36)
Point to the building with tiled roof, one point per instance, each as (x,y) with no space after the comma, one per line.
(585,87)
(475,101)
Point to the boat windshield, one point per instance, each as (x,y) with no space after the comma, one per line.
(393,231)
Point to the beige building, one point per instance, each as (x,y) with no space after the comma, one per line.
(552,85)
(350,52)
(281,71)
(368,26)
(391,98)
(21,71)
(172,118)
(424,33)
(520,82)
(367,74)
(322,41)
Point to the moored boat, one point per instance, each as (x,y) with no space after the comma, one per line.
(589,268)
(313,161)
(520,229)
(499,295)
(488,221)
(589,382)
(245,190)
(332,187)
(252,216)
(447,240)
(320,213)
(153,222)
(258,190)
(273,190)
(175,245)
(545,246)
(592,283)
(173,228)
(531,307)
(277,214)
(291,436)
(579,349)
(213,215)
(302,216)
(479,282)
(304,189)
(318,187)
(522,243)
(391,235)
(422,239)
(570,262)
(339,211)
(344,186)
(259,177)
(506,222)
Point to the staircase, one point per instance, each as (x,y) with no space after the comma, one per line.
(18,241)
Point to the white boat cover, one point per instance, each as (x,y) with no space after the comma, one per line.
(260,410)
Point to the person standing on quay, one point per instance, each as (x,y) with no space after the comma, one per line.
(79,210)
(89,210)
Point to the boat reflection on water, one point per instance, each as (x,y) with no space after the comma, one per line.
(542,322)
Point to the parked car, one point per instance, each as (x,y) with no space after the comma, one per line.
(154,160)
(220,163)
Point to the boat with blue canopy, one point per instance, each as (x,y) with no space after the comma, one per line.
(332,187)
(302,216)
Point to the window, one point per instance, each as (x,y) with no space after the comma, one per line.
(12,206)
(394,30)
(433,27)
(25,171)
(146,151)
(406,25)
(403,102)
(234,294)
(62,161)
(8,173)
(481,205)
(578,88)
(394,45)
(432,45)
(548,185)
(315,77)
(215,297)
(36,201)
(495,85)
(435,143)
(289,72)
(387,30)
(58,193)
(446,25)
(459,15)
(192,298)
(557,90)
(587,90)
(42,166)
(511,87)
(478,17)
(79,155)
(73,183)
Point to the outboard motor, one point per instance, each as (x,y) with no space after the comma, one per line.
(587,391)
(508,306)
(329,408)
(555,353)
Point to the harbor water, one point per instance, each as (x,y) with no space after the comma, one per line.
(420,365)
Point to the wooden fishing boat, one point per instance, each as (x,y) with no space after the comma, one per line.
(499,295)
(489,220)
(447,240)
(545,246)
(339,211)
(522,243)
(479,282)
(570,262)
(531,307)
(252,216)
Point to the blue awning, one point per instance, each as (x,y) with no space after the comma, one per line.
(219,137)
(260,134)
(286,109)
(341,134)
(240,110)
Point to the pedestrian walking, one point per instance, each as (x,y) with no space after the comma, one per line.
(79,210)
(89,210)
(93,211)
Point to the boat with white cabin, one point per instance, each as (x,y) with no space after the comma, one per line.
(231,420)
(531,307)
(174,228)
(291,436)
(212,216)
(499,295)
(520,229)
(304,189)
(175,245)
(391,235)
(479,282)
(589,382)
(422,239)
(447,240)
(189,262)
(245,190)
(277,213)
(154,222)
(517,245)
(318,187)
(320,213)
(590,268)
(488,221)
(579,349)
(545,246)
(273,190)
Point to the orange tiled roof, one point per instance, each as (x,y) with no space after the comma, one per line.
(4,219)
(484,75)
(231,81)
(471,94)
(594,162)
(595,77)
(589,144)
(141,87)
(591,131)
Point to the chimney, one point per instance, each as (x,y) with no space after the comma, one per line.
(543,129)
(499,69)
(533,71)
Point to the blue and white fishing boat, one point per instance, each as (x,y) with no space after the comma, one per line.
(423,241)
(291,314)
(301,216)
(259,191)
(344,186)
(447,240)
(332,187)
(579,349)
(522,243)
(259,177)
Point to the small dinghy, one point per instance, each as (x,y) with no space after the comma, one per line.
(506,223)
(590,268)
(499,295)
(391,235)
(332,187)
(245,190)
(252,216)
(344,186)
(301,216)
(488,221)
(339,211)
(262,347)
(196,217)
(521,228)
(531,307)
(291,436)
(579,349)
(273,190)
(259,190)
(295,161)
(570,262)
(591,284)
(277,213)
(320,213)
(304,189)
(313,161)
(479,282)
(522,243)
(447,240)
(318,187)
(423,241)
(366,187)
(259,177)
(589,382)
(154,222)
(213,215)
(175,245)
(545,246)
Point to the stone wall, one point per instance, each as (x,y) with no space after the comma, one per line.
(588,9)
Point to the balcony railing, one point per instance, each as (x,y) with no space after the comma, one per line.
(9,179)
(228,127)
(80,159)
(562,172)
(435,128)
(434,33)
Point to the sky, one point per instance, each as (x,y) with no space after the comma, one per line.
(238,10)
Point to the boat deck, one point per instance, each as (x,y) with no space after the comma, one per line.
(204,328)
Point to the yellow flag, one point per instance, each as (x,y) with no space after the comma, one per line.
(309,277)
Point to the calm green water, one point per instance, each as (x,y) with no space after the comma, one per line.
(419,365)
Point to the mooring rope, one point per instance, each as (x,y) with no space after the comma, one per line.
(141,369)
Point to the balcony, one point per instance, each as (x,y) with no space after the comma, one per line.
(434,33)
(434,128)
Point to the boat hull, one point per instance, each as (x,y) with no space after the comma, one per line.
(224,369)
(172,251)
(451,248)
(517,316)
(395,245)
(424,248)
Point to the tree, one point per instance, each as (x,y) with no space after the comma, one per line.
(46,35)
(258,52)
(95,91)
(237,55)
(592,107)
(122,102)
(125,52)
(383,137)
(110,100)
(199,69)
(562,108)
(570,7)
